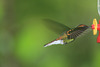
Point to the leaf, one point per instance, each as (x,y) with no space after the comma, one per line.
(55,26)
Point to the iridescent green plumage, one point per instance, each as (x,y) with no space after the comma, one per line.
(72,34)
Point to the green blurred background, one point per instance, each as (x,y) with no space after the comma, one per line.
(23,34)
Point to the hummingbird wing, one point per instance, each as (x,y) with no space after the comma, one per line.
(55,26)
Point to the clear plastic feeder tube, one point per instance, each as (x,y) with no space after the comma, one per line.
(98,7)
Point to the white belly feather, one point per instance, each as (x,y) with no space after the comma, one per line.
(54,42)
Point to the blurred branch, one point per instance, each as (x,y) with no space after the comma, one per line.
(7,39)
(9,11)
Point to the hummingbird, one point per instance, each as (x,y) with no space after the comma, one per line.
(67,35)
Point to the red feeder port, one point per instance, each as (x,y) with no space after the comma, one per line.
(98,28)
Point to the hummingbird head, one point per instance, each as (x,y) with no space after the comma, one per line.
(82,26)
(78,31)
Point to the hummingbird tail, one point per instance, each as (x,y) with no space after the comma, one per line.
(54,42)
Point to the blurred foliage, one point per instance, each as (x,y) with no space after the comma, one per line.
(23,33)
